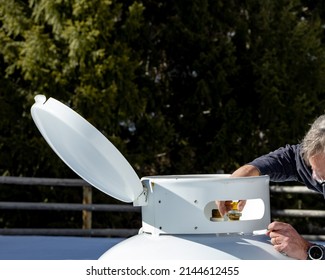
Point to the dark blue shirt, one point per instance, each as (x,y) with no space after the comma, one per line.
(286,164)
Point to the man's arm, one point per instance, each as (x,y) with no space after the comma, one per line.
(245,171)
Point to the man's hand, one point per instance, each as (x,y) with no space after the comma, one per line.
(225,206)
(287,240)
(243,171)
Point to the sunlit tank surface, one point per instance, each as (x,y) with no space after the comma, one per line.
(177,220)
(178,212)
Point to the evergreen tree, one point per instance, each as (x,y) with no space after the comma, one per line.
(79,52)
(178,87)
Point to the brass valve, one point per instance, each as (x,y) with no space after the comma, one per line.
(234,214)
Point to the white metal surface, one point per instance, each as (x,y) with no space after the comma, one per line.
(85,150)
(183,204)
(176,210)
(194,247)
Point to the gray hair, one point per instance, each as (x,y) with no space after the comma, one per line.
(314,140)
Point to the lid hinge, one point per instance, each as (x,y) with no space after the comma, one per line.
(142,199)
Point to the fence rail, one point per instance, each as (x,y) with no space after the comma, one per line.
(68,206)
(87,207)
(70,232)
(298,213)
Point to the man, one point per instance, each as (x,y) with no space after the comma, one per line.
(303,163)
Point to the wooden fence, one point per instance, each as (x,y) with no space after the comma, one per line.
(88,207)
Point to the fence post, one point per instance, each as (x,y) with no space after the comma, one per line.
(86,214)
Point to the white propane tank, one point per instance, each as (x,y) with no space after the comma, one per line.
(178,220)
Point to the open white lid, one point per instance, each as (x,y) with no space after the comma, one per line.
(85,150)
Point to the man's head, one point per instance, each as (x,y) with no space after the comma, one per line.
(313,148)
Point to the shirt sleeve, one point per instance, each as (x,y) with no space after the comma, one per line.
(280,164)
